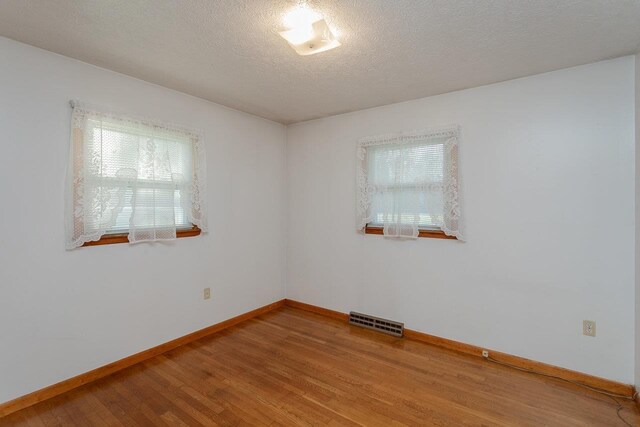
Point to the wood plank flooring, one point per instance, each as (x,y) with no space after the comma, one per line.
(291,367)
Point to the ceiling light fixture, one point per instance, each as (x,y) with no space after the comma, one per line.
(308,32)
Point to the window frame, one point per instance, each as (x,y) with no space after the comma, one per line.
(81,230)
(422,232)
(364,224)
(115,238)
(122,235)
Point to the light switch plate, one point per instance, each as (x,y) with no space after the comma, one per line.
(207,293)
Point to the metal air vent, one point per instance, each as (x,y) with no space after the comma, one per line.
(377,324)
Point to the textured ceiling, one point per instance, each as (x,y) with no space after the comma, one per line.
(229,51)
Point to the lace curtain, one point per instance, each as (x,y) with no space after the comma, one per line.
(131,175)
(407,182)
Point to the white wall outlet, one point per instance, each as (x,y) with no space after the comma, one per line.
(207,293)
(589,328)
(485,353)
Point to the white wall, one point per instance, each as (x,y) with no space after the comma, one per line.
(548,169)
(548,180)
(63,313)
(637,176)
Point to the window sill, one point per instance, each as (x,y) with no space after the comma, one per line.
(110,239)
(433,234)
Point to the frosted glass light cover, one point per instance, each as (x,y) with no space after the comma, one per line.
(308,40)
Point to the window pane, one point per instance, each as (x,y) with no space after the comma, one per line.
(113,154)
(112,148)
(122,220)
(398,164)
(408,179)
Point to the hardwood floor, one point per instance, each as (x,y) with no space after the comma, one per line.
(291,367)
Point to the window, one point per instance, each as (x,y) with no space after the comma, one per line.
(408,185)
(132,179)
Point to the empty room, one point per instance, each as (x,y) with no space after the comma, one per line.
(320,212)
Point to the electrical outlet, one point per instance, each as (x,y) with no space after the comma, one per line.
(485,353)
(589,328)
(207,293)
